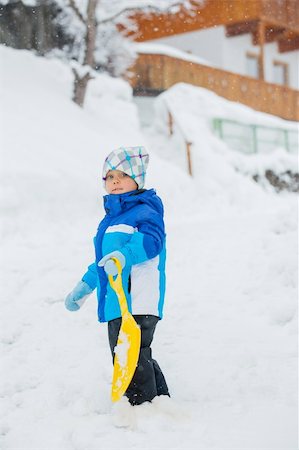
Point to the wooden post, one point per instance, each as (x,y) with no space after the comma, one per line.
(170,123)
(286,140)
(254,138)
(188,148)
(261,40)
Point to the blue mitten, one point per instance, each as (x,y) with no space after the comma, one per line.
(77,297)
(108,263)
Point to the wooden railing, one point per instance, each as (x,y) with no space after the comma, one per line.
(255,138)
(154,73)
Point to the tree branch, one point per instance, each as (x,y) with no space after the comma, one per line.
(73,5)
(151,9)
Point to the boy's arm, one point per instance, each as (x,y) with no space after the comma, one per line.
(76,298)
(90,277)
(147,242)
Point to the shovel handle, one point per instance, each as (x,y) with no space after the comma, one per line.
(117,286)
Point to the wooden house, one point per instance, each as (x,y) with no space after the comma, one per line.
(245,51)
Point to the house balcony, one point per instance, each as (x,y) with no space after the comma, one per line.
(154,73)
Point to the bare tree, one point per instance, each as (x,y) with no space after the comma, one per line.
(90,24)
(83,73)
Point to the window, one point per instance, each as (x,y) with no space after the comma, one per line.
(253,65)
(280,73)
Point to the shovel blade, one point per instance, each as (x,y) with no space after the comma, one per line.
(126,356)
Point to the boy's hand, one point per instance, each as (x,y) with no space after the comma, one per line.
(77,297)
(108,263)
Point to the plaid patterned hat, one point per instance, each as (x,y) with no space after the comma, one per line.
(131,160)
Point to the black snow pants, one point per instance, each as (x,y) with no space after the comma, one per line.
(148,380)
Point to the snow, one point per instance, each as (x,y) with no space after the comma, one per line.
(121,350)
(193,110)
(227,343)
(204,103)
(160,49)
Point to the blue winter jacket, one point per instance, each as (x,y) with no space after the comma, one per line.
(133,225)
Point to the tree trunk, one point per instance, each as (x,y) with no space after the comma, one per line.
(80,83)
(91,32)
(80,86)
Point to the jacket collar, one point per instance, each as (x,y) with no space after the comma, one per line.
(114,204)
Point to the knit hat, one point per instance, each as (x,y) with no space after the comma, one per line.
(131,160)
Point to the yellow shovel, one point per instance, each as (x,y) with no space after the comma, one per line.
(128,343)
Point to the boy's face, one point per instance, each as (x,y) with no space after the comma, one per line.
(118,182)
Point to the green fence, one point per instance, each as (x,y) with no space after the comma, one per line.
(255,138)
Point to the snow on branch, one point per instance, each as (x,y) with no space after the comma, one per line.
(25,2)
(75,8)
(82,70)
(112,10)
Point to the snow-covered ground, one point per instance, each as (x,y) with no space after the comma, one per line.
(228,341)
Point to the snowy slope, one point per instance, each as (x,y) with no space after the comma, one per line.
(227,343)
(193,110)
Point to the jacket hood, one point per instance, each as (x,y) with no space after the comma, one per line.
(114,204)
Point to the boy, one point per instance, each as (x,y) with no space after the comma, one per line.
(133,232)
